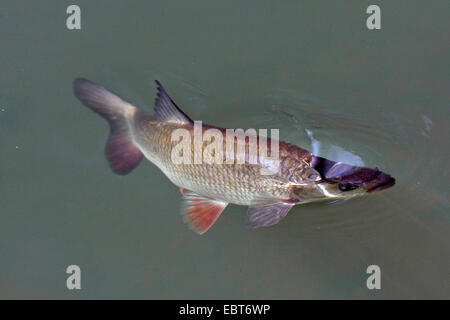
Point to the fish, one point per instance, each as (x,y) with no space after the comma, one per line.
(207,188)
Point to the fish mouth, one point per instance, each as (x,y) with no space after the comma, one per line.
(370,180)
(383,185)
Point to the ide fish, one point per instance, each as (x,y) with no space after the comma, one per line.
(208,187)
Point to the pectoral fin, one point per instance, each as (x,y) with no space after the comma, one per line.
(264,213)
(200,212)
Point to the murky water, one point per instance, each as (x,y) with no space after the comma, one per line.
(313,69)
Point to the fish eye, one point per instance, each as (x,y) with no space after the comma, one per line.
(346,186)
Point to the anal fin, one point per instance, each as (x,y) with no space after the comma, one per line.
(200,212)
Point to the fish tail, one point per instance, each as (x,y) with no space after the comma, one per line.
(122,153)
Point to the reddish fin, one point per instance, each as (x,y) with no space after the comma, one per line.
(200,212)
(123,155)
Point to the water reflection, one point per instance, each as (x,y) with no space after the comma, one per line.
(384,141)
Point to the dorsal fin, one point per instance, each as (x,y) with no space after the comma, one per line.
(166,110)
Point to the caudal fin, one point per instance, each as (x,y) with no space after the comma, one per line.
(122,154)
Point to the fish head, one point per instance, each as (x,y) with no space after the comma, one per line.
(341,180)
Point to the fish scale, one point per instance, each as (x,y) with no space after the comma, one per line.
(236,183)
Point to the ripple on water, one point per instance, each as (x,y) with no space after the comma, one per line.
(395,143)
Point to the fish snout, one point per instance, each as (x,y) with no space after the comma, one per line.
(381,182)
(359,177)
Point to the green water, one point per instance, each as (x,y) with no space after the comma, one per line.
(310,68)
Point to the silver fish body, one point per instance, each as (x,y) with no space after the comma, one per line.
(208,187)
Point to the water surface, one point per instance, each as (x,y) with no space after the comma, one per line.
(312,69)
